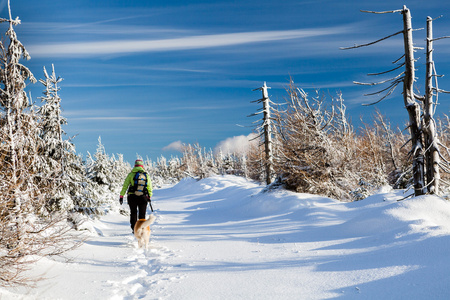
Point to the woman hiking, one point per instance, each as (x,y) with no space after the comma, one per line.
(140,192)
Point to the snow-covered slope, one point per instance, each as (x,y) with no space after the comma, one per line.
(221,238)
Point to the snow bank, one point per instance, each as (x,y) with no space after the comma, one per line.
(426,215)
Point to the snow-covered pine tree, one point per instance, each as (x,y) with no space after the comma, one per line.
(62,166)
(219,160)
(189,162)
(244,165)
(211,164)
(99,170)
(54,149)
(83,191)
(149,167)
(161,165)
(26,233)
(14,102)
(175,169)
(99,173)
(164,171)
(228,163)
(120,169)
(53,145)
(17,134)
(205,163)
(154,172)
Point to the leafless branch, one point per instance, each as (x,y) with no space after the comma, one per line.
(419,97)
(393,84)
(380,82)
(382,12)
(384,97)
(442,91)
(381,73)
(368,44)
(440,38)
(396,61)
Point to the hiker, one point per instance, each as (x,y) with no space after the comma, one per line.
(139,188)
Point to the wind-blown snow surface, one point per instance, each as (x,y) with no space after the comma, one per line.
(222,238)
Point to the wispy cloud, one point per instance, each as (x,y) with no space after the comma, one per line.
(98,29)
(112,118)
(174,44)
(120,114)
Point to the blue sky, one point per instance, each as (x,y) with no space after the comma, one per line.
(145,74)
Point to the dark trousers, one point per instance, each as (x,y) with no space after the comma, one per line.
(136,203)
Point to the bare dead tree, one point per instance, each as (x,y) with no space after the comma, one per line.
(266,130)
(429,128)
(412,106)
(433,156)
(406,77)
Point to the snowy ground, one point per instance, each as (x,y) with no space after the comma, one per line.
(220,238)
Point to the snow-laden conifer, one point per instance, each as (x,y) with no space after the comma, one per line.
(53,145)
(120,169)
(57,153)
(99,168)
(27,232)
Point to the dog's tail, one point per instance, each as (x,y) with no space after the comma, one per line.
(149,221)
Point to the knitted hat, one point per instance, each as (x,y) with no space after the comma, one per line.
(139,163)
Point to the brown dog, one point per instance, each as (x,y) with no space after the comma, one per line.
(142,231)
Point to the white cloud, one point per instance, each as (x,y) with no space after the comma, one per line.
(112,118)
(183,43)
(177,146)
(237,144)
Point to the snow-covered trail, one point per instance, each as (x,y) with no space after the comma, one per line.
(107,266)
(229,241)
(221,238)
(217,253)
(221,254)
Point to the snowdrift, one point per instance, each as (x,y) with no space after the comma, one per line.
(222,237)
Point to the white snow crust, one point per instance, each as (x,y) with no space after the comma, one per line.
(223,238)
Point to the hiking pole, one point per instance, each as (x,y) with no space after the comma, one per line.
(150,202)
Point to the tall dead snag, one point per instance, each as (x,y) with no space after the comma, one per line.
(412,106)
(433,154)
(429,128)
(266,128)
